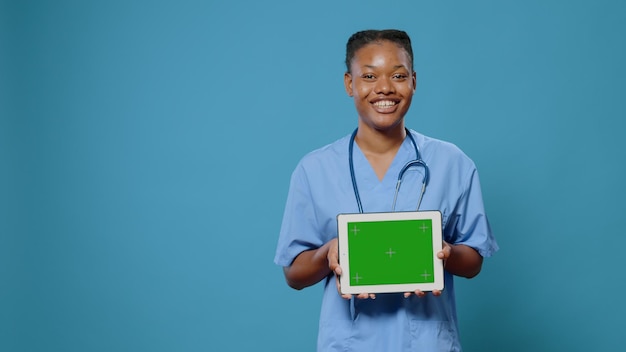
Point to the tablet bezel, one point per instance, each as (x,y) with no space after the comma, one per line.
(344,262)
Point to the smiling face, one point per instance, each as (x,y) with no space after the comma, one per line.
(382,84)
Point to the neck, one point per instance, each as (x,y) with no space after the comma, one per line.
(380,142)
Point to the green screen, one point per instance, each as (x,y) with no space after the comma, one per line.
(390,252)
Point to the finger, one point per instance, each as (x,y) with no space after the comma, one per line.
(333,253)
(338,283)
(362,296)
(335,267)
(366,296)
(332,262)
(420,293)
(436,293)
(333,258)
(344,295)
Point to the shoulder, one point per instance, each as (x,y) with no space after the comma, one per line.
(329,154)
(433,148)
(446,159)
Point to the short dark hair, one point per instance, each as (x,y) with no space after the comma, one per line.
(363,38)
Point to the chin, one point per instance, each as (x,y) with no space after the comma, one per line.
(388,124)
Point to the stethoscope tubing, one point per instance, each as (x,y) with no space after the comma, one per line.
(417,162)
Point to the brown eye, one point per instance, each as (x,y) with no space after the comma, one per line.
(368,76)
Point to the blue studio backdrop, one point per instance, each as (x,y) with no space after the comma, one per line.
(146,149)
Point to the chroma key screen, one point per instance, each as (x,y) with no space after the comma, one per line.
(390,252)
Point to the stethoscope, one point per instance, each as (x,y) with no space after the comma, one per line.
(417,162)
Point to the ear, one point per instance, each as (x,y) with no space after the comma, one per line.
(414,80)
(347,82)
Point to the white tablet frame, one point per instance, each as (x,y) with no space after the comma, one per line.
(344,262)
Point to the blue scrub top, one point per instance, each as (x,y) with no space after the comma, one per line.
(321,188)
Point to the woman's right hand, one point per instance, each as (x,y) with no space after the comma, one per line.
(333,265)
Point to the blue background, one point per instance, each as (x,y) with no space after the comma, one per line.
(146,150)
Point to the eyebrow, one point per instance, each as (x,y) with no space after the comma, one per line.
(395,67)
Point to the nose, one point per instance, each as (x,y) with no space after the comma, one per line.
(384,85)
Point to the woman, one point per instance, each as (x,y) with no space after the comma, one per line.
(381,80)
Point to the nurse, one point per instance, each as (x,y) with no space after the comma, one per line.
(381,80)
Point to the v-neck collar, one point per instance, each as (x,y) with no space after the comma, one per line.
(365,172)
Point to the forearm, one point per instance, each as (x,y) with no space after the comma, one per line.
(463,261)
(308,268)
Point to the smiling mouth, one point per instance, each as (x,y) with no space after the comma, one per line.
(385,104)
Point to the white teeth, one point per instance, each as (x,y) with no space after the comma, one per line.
(385,103)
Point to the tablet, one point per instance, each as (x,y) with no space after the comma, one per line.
(390,252)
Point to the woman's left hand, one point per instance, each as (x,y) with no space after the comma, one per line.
(443,254)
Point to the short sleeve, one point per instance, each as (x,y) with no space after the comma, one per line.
(470,224)
(300,229)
